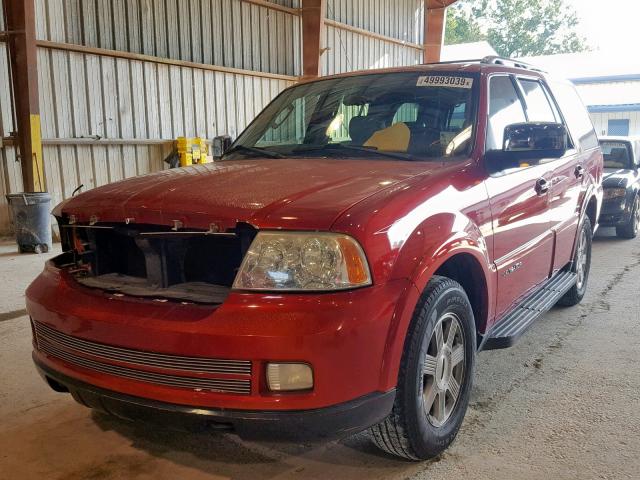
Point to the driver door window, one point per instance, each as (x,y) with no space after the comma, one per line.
(505,108)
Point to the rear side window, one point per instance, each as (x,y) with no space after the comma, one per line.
(505,108)
(538,106)
(575,114)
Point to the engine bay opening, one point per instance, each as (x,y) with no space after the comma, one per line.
(155,261)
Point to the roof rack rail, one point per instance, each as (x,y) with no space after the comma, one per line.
(449,62)
(508,62)
(493,60)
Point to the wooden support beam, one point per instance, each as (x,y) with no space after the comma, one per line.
(7,142)
(71,47)
(433,33)
(274,6)
(313,17)
(370,34)
(20,20)
(435,14)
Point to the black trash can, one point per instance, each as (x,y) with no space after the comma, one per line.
(32,217)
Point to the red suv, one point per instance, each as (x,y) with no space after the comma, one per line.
(341,265)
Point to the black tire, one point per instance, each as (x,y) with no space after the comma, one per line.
(409,432)
(576,293)
(630,230)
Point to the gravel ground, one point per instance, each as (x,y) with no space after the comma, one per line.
(563,403)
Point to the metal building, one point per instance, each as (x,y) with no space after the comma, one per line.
(115,82)
(609,84)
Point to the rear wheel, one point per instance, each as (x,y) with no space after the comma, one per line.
(581,266)
(630,230)
(435,378)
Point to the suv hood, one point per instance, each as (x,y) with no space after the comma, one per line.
(267,193)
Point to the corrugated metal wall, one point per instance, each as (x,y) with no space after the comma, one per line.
(136,103)
(230,33)
(348,51)
(85,96)
(401,20)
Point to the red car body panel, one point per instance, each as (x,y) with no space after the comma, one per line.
(409,217)
(322,330)
(260,192)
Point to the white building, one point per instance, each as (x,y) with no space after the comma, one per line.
(467,51)
(608,83)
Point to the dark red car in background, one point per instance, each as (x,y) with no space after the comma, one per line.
(339,267)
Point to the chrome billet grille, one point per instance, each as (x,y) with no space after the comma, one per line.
(174,362)
(73,350)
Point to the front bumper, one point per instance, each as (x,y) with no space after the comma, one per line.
(615,212)
(322,423)
(343,336)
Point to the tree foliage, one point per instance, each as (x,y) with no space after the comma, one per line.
(462,26)
(516,28)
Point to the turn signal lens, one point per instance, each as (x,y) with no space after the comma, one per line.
(295,261)
(283,377)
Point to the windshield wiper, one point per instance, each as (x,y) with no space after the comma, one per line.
(342,146)
(256,150)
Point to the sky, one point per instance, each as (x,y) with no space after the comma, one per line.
(610,25)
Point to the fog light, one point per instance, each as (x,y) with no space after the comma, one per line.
(289,376)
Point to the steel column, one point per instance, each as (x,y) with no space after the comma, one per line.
(20,20)
(313,16)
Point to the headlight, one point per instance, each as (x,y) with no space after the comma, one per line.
(303,261)
(610,193)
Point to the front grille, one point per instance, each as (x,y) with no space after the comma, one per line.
(98,357)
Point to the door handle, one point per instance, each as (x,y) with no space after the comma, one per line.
(579,171)
(542,186)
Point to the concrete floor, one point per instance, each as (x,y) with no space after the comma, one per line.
(563,403)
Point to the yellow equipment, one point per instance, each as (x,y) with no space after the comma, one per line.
(192,151)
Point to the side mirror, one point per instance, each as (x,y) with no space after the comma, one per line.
(536,140)
(220,145)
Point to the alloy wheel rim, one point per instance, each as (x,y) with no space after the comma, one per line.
(636,223)
(582,259)
(443,369)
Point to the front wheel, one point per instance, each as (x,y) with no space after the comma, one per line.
(435,378)
(630,229)
(581,266)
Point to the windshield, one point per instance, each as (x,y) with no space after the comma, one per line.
(405,116)
(616,154)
